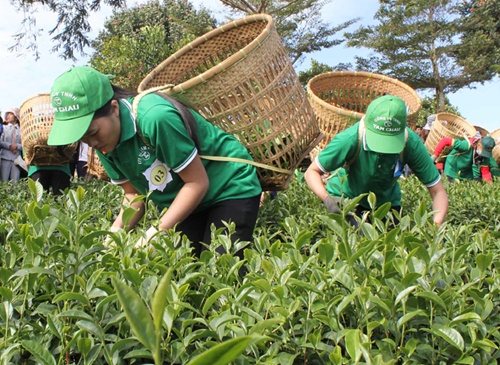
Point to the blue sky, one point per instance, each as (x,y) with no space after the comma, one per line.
(22,77)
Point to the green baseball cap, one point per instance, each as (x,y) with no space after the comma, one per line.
(487,145)
(76,95)
(385,124)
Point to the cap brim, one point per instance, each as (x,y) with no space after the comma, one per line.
(65,132)
(383,143)
(486,153)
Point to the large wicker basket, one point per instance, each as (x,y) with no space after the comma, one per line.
(340,99)
(496,150)
(448,125)
(240,78)
(36,118)
(94,166)
(481,130)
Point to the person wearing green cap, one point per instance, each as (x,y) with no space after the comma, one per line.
(154,149)
(468,159)
(369,157)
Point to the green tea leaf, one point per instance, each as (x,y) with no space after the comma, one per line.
(33,270)
(223,353)
(84,345)
(71,296)
(471,316)
(408,316)
(404,293)
(160,300)
(450,335)
(137,314)
(484,261)
(433,297)
(485,344)
(353,344)
(211,300)
(39,351)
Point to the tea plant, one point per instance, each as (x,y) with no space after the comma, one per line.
(316,290)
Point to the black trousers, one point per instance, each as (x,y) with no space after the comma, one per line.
(55,179)
(242,212)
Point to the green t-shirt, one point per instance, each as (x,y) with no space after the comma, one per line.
(483,161)
(461,162)
(32,169)
(152,163)
(372,171)
(495,170)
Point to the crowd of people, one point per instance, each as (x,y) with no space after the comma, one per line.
(154,145)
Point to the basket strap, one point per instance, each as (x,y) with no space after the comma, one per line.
(361,130)
(135,105)
(249,162)
(139,96)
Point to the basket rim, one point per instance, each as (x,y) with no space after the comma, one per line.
(457,118)
(374,75)
(495,133)
(220,67)
(31,98)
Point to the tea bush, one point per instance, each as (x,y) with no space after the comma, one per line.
(316,290)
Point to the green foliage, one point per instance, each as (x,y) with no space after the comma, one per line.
(137,39)
(417,42)
(70,34)
(429,106)
(480,51)
(316,291)
(316,69)
(299,23)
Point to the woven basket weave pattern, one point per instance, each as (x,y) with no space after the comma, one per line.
(94,166)
(340,99)
(36,118)
(448,125)
(240,78)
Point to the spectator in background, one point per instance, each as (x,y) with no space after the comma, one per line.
(427,127)
(465,156)
(80,162)
(418,130)
(10,145)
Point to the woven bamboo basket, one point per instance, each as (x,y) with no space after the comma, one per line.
(36,118)
(496,150)
(481,130)
(340,99)
(448,125)
(94,166)
(240,78)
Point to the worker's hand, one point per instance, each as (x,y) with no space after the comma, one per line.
(434,158)
(331,205)
(144,241)
(108,241)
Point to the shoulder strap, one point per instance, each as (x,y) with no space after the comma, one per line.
(361,129)
(135,105)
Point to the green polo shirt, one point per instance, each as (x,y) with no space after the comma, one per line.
(483,161)
(460,160)
(373,172)
(152,163)
(32,169)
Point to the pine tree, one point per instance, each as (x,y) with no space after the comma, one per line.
(298,22)
(417,42)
